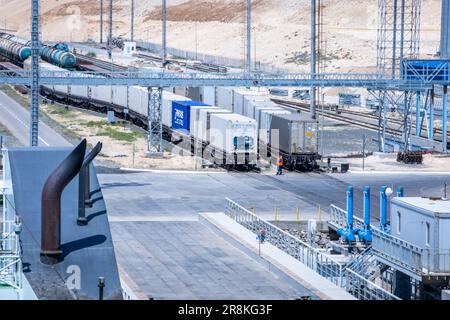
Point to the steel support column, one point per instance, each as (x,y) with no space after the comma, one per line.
(35,48)
(110,29)
(101,21)
(132,21)
(164,33)
(431,116)
(313,56)
(406,120)
(154,118)
(248,55)
(418,115)
(445,30)
(382,121)
(444,119)
(394,40)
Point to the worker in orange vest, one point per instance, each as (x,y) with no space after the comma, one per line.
(280,165)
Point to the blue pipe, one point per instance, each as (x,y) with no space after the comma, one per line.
(444,120)
(367,206)
(383,208)
(400,192)
(348,234)
(350,207)
(365,235)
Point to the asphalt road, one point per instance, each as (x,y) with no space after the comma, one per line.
(142,196)
(16,119)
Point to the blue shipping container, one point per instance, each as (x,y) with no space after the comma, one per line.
(181,114)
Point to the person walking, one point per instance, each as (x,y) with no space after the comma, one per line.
(280,165)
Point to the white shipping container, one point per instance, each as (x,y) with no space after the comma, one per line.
(79,91)
(195,120)
(225,98)
(251,106)
(136,96)
(233,133)
(265,118)
(120,96)
(181,91)
(167,99)
(208,95)
(205,122)
(44,66)
(259,109)
(239,97)
(102,93)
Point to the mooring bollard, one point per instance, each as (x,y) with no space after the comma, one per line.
(101,286)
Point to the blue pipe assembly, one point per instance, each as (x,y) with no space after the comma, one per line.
(348,234)
(365,235)
(383,210)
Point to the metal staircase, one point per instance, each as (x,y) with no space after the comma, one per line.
(363,275)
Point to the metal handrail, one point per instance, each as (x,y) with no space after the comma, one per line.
(421,261)
(313,258)
(363,289)
(10,249)
(338,217)
(398,251)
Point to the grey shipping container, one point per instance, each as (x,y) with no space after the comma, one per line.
(297,133)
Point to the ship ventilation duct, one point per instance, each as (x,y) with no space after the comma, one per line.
(51,203)
(84,186)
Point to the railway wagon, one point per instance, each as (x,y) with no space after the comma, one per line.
(294,136)
(54,55)
(277,136)
(14,51)
(233,139)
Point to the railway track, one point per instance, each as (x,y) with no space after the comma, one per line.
(202,67)
(97,65)
(362,122)
(400,122)
(349,120)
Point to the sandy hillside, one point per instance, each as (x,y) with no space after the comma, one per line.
(281,27)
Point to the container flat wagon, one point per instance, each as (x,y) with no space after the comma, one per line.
(233,139)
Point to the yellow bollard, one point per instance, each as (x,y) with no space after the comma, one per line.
(276,215)
(298,215)
(319,213)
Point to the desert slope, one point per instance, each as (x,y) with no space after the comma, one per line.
(281,27)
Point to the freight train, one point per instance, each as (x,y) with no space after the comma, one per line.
(232,129)
(18,50)
(231,138)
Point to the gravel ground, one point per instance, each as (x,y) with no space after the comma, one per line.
(321,239)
